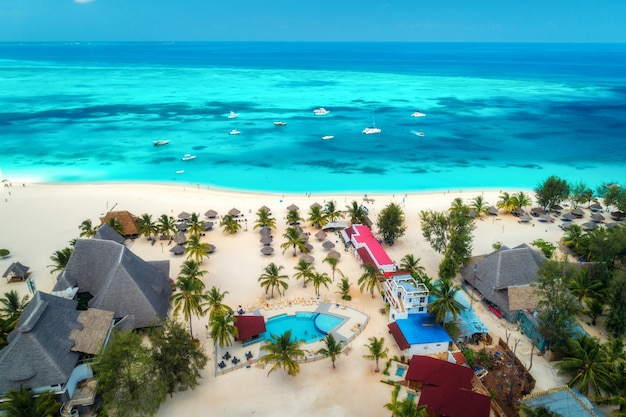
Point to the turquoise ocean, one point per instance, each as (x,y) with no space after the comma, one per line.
(497,115)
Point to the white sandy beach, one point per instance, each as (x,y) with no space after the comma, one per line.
(36,220)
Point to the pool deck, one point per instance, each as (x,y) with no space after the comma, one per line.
(354,323)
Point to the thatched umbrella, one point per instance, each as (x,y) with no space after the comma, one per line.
(265,208)
(211,248)
(517,212)
(267,250)
(557,207)
(590,226)
(321,235)
(304,236)
(537,211)
(316,205)
(578,212)
(178,250)
(266,240)
(597,217)
(208,225)
(211,214)
(492,211)
(307,258)
(566,226)
(611,225)
(308,246)
(183,215)
(568,217)
(181,227)
(265,231)
(546,218)
(16,270)
(180,238)
(595,206)
(234,212)
(334,254)
(525,218)
(292,207)
(328,244)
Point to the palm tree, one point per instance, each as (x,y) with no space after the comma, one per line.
(333,264)
(356,212)
(332,349)
(223,329)
(617,394)
(195,225)
(332,213)
(214,303)
(319,279)
(377,350)
(445,302)
(24,403)
(293,217)
(317,217)
(264,218)
(284,352)
(522,200)
(271,278)
(595,308)
(583,286)
(344,286)
(60,258)
(574,237)
(11,306)
(505,202)
(87,229)
(146,226)
(587,365)
(230,224)
(116,225)
(189,298)
(166,225)
(369,280)
(540,411)
(479,205)
(191,269)
(406,407)
(293,238)
(197,249)
(412,265)
(304,272)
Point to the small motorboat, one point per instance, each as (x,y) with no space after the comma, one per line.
(160,142)
(418,114)
(235,132)
(180,171)
(188,157)
(420,133)
(280,123)
(232,115)
(321,112)
(371,131)
(327,137)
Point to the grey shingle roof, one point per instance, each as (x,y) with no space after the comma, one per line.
(39,352)
(106,232)
(118,280)
(504,268)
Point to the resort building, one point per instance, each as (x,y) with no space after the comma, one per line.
(563,400)
(405,296)
(504,279)
(126,219)
(445,388)
(367,248)
(108,276)
(51,347)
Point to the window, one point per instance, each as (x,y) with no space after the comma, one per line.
(421,309)
(422,299)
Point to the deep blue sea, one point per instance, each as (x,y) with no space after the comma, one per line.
(497,115)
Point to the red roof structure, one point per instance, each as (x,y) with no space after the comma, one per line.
(249,326)
(362,238)
(447,388)
(397,334)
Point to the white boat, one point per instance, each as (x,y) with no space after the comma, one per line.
(327,137)
(235,132)
(232,115)
(371,130)
(420,133)
(188,157)
(160,142)
(280,123)
(418,114)
(321,112)
(180,171)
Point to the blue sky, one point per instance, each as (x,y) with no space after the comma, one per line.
(314,20)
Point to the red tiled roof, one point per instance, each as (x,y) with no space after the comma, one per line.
(364,236)
(437,372)
(249,326)
(365,257)
(454,402)
(397,334)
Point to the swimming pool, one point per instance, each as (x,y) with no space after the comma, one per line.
(306,326)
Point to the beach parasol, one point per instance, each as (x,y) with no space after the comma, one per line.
(292,207)
(265,208)
(492,211)
(308,246)
(265,231)
(595,206)
(333,254)
(183,215)
(211,214)
(211,248)
(328,244)
(181,227)
(321,235)
(590,226)
(546,218)
(180,238)
(267,250)
(234,212)
(568,217)
(578,212)
(266,240)
(597,217)
(178,250)
(316,205)
(16,271)
(525,218)
(307,258)
(208,225)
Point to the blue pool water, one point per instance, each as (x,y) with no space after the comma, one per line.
(400,371)
(307,326)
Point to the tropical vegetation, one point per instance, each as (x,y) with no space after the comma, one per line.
(390,223)
(293,238)
(377,350)
(272,279)
(283,351)
(25,403)
(332,348)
